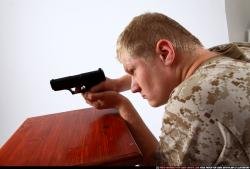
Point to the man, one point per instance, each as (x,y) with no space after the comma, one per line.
(206,92)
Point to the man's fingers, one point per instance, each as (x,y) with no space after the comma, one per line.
(93,96)
(97,104)
(88,102)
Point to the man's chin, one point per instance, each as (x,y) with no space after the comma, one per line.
(153,103)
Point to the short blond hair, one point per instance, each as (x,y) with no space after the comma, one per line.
(140,37)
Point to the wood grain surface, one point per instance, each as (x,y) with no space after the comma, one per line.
(80,137)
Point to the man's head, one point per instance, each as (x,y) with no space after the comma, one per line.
(142,34)
(149,49)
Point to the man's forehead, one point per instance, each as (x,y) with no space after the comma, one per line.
(124,56)
(125,59)
(127,62)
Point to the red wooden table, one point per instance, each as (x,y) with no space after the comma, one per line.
(80,137)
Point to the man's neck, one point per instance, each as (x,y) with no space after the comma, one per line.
(193,62)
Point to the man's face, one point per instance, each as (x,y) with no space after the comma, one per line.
(149,77)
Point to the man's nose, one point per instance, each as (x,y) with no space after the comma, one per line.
(134,86)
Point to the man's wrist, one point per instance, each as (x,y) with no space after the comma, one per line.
(122,103)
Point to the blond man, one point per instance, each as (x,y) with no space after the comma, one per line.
(206,93)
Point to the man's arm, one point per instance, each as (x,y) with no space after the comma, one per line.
(123,83)
(119,85)
(142,135)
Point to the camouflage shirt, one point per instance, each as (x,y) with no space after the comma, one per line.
(207,118)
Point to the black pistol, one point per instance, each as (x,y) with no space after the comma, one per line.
(83,81)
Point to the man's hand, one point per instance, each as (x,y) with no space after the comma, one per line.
(106,95)
(106,99)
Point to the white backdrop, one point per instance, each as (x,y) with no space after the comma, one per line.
(45,39)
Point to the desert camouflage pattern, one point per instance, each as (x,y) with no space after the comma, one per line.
(207,118)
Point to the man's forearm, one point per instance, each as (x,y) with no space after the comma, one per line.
(124,83)
(143,136)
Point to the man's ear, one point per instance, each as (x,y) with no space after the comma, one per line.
(165,50)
